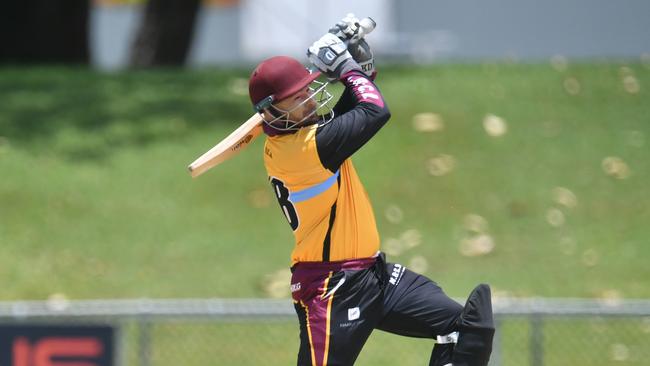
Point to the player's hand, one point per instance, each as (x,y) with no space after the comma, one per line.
(330,55)
(346,28)
(347,31)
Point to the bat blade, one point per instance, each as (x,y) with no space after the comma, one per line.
(230,146)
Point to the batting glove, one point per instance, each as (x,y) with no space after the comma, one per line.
(347,31)
(330,55)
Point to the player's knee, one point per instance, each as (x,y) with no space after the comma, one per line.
(477,313)
(476,330)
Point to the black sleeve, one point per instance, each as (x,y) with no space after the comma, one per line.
(345,103)
(365,112)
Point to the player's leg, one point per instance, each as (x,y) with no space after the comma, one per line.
(306,348)
(476,330)
(335,324)
(356,310)
(416,306)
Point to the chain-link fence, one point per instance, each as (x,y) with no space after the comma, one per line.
(531,332)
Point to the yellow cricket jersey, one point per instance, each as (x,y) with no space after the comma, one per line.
(315,182)
(330,213)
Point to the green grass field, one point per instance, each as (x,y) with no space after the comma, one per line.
(95,201)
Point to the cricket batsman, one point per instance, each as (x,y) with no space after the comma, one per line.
(342,287)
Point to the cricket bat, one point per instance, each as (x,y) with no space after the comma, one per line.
(228,147)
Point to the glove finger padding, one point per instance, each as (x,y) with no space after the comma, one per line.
(362,54)
(351,23)
(343,30)
(330,55)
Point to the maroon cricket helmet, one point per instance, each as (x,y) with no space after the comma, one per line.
(276,78)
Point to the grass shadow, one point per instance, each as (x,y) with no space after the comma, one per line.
(83,114)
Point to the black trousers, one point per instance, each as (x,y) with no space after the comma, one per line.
(339,306)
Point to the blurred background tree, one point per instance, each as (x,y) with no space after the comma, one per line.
(44,31)
(165,34)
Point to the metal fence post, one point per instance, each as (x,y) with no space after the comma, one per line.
(144,341)
(495,358)
(536,340)
(121,344)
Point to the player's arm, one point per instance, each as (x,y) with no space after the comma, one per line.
(348,132)
(360,52)
(347,101)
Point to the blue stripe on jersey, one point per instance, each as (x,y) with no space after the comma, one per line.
(313,191)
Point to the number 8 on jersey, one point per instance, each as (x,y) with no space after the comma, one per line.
(282,194)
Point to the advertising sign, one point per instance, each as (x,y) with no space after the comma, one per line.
(56,345)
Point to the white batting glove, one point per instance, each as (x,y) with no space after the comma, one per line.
(346,28)
(330,55)
(347,31)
